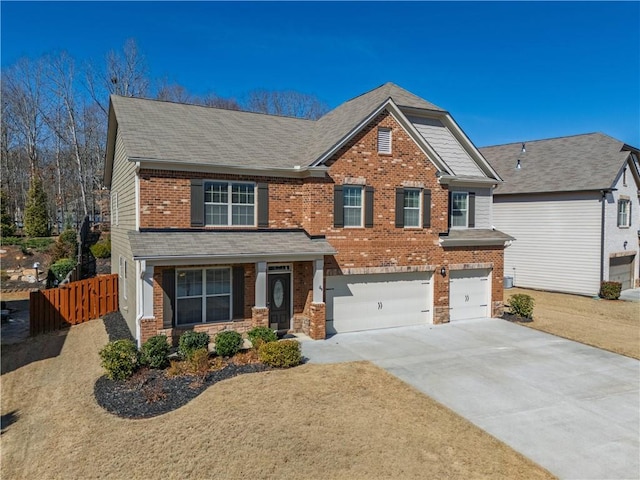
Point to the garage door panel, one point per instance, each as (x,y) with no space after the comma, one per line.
(469,294)
(621,270)
(365,302)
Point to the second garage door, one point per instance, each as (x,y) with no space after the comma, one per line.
(365,302)
(469,294)
(621,270)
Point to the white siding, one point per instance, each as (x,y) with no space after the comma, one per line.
(557,244)
(446,145)
(123,183)
(616,236)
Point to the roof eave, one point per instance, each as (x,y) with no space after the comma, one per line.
(237,258)
(459,181)
(111,146)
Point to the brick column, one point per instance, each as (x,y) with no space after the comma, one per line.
(259,317)
(148,329)
(441,315)
(317,321)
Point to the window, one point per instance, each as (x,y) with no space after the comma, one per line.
(114,208)
(412,207)
(352,206)
(227,203)
(203,295)
(384,140)
(459,209)
(624,213)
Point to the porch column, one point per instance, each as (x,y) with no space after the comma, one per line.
(318,276)
(147,291)
(261,285)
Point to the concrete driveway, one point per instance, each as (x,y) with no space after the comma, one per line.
(571,408)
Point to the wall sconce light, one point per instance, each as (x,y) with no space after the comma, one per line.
(443,271)
(625,244)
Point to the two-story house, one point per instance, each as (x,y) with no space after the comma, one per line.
(572,203)
(378,214)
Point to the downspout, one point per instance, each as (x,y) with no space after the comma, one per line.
(604,193)
(140,269)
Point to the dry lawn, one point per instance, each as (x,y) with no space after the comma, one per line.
(612,325)
(316,421)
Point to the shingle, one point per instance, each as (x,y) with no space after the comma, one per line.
(147,245)
(174,132)
(577,163)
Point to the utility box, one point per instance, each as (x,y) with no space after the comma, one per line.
(508,282)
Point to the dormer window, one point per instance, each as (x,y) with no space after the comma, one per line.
(384,140)
(459,209)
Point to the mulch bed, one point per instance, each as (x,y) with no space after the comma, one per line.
(516,318)
(149,392)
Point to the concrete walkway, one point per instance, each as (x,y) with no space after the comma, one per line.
(631,295)
(571,408)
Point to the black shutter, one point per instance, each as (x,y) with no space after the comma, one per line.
(368,207)
(426,208)
(472,209)
(338,207)
(630,218)
(238,293)
(197,202)
(399,207)
(449,210)
(263,205)
(168,297)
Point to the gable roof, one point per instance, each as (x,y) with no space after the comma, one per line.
(577,163)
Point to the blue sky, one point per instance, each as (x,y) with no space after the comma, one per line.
(507,71)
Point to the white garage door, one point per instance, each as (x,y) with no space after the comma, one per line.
(365,302)
(469,294)
(621,270)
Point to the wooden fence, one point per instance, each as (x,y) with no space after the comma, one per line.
(73,303)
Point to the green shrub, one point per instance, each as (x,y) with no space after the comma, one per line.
(228,343)
(62,267)
(36,214)
(66,246)
(522,305)
(100,250)
(7,226)
(282,354)
(155,352)
(191,341)
(119,359)
(610,290)
(259,335)
(11,241)
(199,361)
(40,244)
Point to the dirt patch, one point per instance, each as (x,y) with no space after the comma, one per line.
(314,421)
(612,325)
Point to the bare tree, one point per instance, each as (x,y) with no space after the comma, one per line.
(287,103)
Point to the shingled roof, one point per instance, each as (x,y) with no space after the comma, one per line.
(577,163)
(172,132)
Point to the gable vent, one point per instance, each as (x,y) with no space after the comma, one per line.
(384,140)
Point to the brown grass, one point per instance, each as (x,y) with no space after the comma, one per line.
(315,421)
(612,325)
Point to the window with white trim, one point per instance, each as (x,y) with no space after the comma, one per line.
(412,207)
(229,203)
(624,217)
(352,205)
(384,140)
(459,209)
(203,295)
(114,208)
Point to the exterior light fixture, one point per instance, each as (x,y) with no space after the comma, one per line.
(524,149)
(518,166)
(443,271)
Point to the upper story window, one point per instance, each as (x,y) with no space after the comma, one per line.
(352,196)
(229,203)
(411,208)
(459,209)
(384,140)
(624,213)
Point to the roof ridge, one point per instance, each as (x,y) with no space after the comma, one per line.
(548,139)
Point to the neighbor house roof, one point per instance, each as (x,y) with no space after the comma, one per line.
(161,131)
(250,245)
(577,163)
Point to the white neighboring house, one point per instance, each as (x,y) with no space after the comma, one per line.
(572,205)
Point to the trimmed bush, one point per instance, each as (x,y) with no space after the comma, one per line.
(610,290)
(66,246)
(228,343)
(522,305)
(191,341)
(119,359)
(259,335)
(282,354)
(62,267)
(101,249)
(155,352)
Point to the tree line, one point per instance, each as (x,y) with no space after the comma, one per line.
(54,129)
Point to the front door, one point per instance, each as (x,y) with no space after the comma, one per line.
(280,301)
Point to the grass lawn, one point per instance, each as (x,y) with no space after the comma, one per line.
(342,421)
(612,325)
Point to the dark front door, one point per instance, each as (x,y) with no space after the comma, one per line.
(280,301)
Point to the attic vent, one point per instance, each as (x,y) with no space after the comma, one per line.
(384,140)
